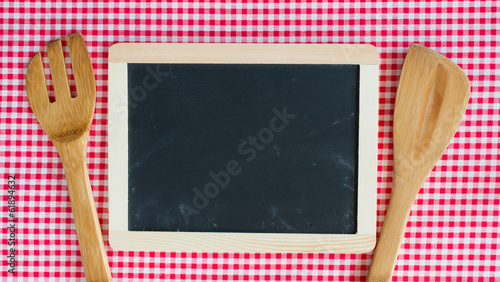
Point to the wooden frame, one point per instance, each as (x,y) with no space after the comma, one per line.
(364,55)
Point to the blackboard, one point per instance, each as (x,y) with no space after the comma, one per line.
(241,148)
(200,118)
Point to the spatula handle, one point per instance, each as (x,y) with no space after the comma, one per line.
(393,229)
(95,261)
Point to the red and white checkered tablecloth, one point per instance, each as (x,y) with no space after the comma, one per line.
(453,230)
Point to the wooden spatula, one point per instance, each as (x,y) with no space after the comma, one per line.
(67,123)
(432,95)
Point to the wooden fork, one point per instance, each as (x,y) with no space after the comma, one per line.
(67,123)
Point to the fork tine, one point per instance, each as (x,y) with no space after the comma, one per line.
(58,70)
(82,67)
(36,86)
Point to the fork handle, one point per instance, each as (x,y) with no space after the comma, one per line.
(95,261)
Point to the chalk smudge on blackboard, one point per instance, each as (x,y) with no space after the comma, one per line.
(349,187)
(277,149)
(351,115)
(347,219)
(274,212)
(343,163)
(314,131)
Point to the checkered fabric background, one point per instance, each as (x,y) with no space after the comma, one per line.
(453,230)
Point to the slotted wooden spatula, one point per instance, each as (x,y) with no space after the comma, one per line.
(432,95)
(67,123)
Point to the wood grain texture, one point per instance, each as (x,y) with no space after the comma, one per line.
(359,54)
(122,239)
(432,96)
(241,242)
(67,122)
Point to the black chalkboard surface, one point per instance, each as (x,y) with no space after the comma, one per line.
(267,148)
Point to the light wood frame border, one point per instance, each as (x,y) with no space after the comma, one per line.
(122,53)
